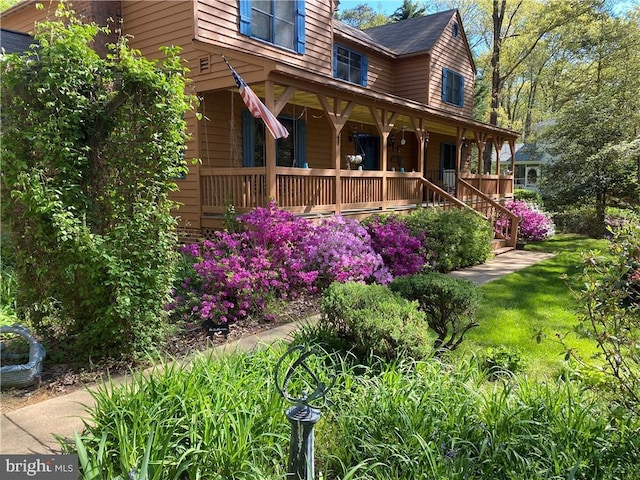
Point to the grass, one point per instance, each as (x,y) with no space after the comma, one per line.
(223,418)
(528,309)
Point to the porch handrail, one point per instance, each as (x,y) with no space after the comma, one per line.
(440,197)
(505,222)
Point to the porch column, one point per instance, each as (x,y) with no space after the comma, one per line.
(498,143)
(337,116)
(460,136)
(481,139)
(385,121)
(270,147)
(421,135)
(270,142)
(512,148)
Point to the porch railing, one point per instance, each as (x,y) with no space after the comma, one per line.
(504,222)
(312,190)
(307,190)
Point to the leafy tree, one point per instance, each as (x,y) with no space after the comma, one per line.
(6,4)
(610,313)
(409,9)
(91,147)
(362,16)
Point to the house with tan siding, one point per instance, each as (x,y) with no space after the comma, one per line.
(378,120)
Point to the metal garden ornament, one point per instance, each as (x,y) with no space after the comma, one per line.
(301,386)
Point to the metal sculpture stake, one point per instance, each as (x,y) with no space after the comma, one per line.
(304,413)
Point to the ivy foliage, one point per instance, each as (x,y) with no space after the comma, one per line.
(91,147)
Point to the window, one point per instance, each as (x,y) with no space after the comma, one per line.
(455,30)
(349,65)
(280,22)
(452,87)
(290,151)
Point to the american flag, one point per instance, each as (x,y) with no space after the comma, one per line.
(256,107)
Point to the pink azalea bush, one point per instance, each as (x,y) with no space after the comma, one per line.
(534,225)
(275,255)
(391,238)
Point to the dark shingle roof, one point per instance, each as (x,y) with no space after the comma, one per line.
(413,35)
(12,41)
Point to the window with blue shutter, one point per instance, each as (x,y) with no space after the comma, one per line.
(350,65)
(280,22)
(452,87)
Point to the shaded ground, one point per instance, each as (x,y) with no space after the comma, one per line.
(60,379)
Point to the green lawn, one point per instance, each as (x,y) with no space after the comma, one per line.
(536,299)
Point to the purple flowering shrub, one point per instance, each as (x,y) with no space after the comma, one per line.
(274,256)
(237,274)
(340,250)
(391,238)
(534,225)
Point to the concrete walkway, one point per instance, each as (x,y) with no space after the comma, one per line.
(31,429)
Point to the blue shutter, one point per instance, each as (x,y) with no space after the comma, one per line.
(335,61)
(301,142)
(300,23)
(365,68)
(444,84)
(461,91)
(245,17)
(248,140)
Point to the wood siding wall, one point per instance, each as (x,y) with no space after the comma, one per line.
(412,78)
(218,24)
(162,23)
(451,52)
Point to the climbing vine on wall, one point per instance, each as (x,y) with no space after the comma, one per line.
(91,146)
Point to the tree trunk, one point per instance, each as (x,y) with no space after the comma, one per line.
(496,82)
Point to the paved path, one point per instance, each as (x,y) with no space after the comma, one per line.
(30,429)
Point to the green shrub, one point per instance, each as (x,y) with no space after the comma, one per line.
(502,361)
(583,221)
(91,148)
(449,304)
(375,320)
(454,238)
(529,196)
(616,217)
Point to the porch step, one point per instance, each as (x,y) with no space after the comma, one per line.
(501,250)
(499,246)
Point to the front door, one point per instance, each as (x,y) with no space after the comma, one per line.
(369,145)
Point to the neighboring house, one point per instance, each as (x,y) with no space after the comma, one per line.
(529,158)
(399,95)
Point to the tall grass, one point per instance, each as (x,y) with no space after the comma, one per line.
(223,418)
(429,420)
(218,419)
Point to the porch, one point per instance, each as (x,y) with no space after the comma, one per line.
(317,192)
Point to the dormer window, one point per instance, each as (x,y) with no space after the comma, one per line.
(279,22)
(349,65)
(452,87)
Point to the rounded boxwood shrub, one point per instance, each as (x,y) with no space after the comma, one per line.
(375,320)
(449,304)
(452,238)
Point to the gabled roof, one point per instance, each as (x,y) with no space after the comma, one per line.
(418,34)
(12,41)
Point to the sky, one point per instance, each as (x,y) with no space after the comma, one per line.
(390,6)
